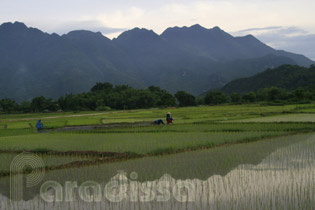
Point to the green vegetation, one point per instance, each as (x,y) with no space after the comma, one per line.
(216,97)
(201,164)
(234,143)
(102,97)
(185,99)
(283,118)
(287,77)
(194,128)
(140,143)
(106,97)
(186,115)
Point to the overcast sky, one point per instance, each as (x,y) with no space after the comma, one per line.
(283,24)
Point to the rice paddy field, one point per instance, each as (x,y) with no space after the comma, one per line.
(212,157)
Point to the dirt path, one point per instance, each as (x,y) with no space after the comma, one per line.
(67,116)
(111,125)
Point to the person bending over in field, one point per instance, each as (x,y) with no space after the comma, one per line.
(39,126)
(159,122)
(169,119)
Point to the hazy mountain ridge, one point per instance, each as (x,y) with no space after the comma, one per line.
(194,59)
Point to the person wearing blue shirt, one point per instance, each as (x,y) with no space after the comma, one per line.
(39,125)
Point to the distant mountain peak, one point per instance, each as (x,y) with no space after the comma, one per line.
(20,24)
(216,28)
(177,29)
(141,31)
(84,34)
(194,30)
(137,34)
(197,26)
(248,37)
(13,26)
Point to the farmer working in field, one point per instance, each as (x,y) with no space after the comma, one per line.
(169,120)
(39,126)
(158,122)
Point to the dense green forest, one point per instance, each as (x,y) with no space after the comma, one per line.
(102,97)
(105,97)
(288,77)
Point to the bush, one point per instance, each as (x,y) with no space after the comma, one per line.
(103,108)
(249,97)
(185,99)
(235,97)
(216,97)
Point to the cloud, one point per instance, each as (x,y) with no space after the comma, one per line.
(128,18)
(249,30)
(286,31)
(292,39)
(91,25)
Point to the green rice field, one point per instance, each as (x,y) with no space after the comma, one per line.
(212,157)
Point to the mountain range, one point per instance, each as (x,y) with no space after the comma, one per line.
(193,59)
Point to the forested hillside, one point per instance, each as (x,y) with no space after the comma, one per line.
(193,59)
(288,77)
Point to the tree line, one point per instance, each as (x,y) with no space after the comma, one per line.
(270,95)
(102,97)
(105,97)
